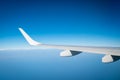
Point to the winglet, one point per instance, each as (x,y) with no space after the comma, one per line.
(28,38)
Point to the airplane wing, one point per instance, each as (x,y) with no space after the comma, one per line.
(111,53)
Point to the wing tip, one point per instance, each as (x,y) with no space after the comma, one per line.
(28,38)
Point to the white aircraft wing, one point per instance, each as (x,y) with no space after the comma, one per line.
(111,53)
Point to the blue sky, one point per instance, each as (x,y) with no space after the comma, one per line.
(69,22)
(64,22)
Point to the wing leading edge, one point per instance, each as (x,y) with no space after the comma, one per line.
(73,50)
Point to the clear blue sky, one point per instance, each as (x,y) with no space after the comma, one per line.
(64,22)
(73,22)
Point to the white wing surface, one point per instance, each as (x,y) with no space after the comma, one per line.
(110,52)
